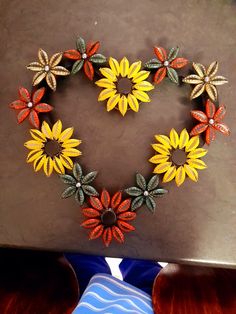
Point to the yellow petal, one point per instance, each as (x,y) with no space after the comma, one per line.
(106,83)
(58,166)
(46,130)
(51,80)
(38,77)
(191,172)
(170,174)
(183,138)
(161,149)
(180,175)
(142,96)
(106,93)
(108,73)
(124,67)
(48,166)
(112,102)
(163,167)
(163,139)
(70,143)
(134,68)
(66,161)
(144,86)
(114,65)
(192,143)
(34,154)
(55,59)
(37,135)
(174,138)
(43,56)
(133,103)
(71,152)
(158,159)
(38,163)
(197,163)
(32,144)
(197,153)
(66,134)
(140,76)
(123,105)
(56,129)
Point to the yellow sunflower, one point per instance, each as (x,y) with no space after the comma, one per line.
(52,148)
(124,85)
(178,155)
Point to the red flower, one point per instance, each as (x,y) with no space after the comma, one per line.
(210,121)
(107,217)
(30,105)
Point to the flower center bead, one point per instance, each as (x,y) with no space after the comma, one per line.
(78,185)
(108,217)
(166,63)
(84,56)
(124,85)
(178,157)
(46,68)
(206,79)
(211,121)
(30,104)
(52,148)
(145,193)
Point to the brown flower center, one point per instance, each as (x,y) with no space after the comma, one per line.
(108,217)
(124,85)
(52,148)
(178,157)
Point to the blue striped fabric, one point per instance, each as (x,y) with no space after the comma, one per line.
(108,295)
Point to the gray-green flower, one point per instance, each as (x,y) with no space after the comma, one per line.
(145,192)
(79,184)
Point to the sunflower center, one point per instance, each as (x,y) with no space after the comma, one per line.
(178,157)
(108,217)
(52,148)
(124,85)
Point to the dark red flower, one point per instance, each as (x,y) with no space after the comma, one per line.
(107,217)
(30,105)
(210,121)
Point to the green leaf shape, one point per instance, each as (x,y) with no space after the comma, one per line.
(150,203)
(173,53)
(141,182)
(137,202)
(158,192)
(69,192)
(89,177)
(134,191)
(173,75)
(77,66)
(67,179)
(79,196)
(153,64)
(153,183)
(77,171)
(80,44)
(98,58)
(89,190)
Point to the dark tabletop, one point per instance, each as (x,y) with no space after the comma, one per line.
(195,223)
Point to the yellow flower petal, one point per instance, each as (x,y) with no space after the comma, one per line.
(180,176)
(56,129)
(144,86)
(51,80)
(66,161)
(66,134)
(46,130)
(48,166)
(38,163)
(32,144)
(108,73)
(163,139)
(70,143)
(192,143)
(197,153)
(161,149)
(106,83)
(142,96)
(191,172)
(123,105)
(58,166)
(71,152)
(134,69)
(124,67)
(38,77)
(158,159)
(197,163)
(114,65)
(163,167)
(112,102)
(37,135)
(43,57)
(133,103)
(106,93)
(34,154)
(174,138)
(183,138)
(140,76)
(170,174)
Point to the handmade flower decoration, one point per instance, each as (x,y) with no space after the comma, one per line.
(124,85)
(166,64)
(210,121)
(205,80)
(178,155)
(107,217)
(85,56)
(52,149)
(47,68)
(30,106)
(145,192)
(79,184)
